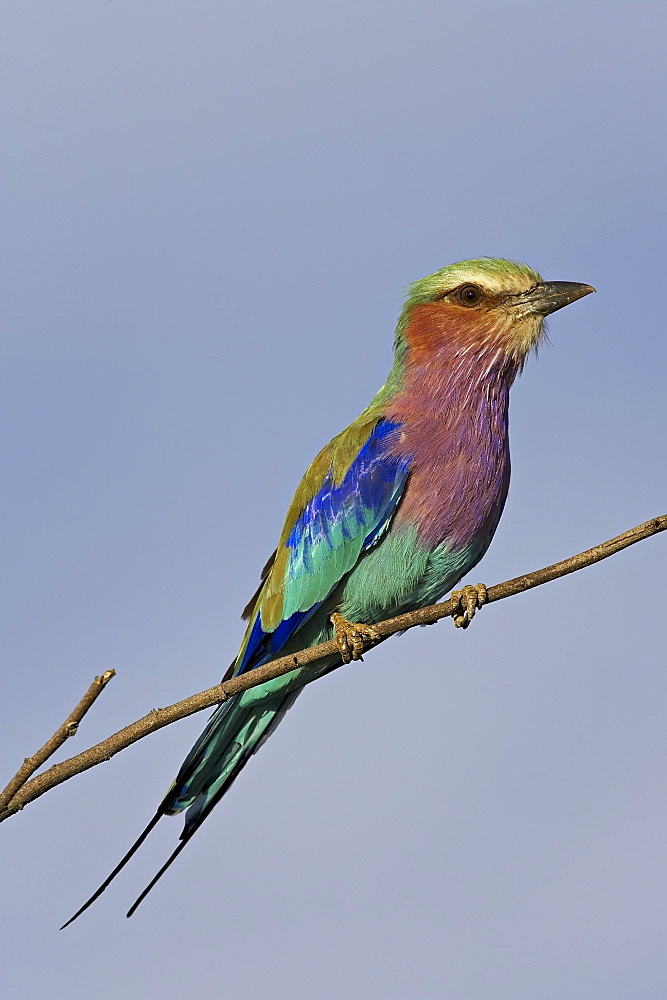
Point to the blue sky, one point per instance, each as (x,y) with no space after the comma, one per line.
(209,210)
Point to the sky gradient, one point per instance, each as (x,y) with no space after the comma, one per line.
(209,211)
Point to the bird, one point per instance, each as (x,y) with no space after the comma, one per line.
(390,515)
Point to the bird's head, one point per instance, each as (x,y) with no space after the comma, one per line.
(498,304)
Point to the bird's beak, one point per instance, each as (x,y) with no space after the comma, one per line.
(548,296)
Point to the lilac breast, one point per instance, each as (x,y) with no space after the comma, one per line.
(455,433)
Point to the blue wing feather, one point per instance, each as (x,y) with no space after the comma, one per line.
(339,523)
(334,528)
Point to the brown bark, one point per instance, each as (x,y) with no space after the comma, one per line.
(23,788)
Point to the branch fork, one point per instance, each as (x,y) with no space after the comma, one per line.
(25,786)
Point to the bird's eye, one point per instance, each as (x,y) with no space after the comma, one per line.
(470,295)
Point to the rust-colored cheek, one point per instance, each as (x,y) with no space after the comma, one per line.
(437,323)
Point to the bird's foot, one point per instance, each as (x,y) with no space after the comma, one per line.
(468,599)
(351,637)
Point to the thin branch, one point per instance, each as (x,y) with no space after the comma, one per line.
(64,732)
(160,717)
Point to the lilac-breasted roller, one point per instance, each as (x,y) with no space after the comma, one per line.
(390,515)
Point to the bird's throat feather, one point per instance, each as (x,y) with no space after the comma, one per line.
(453,407)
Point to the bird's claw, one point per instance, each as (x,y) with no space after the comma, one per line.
(468,599)
(352,637)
